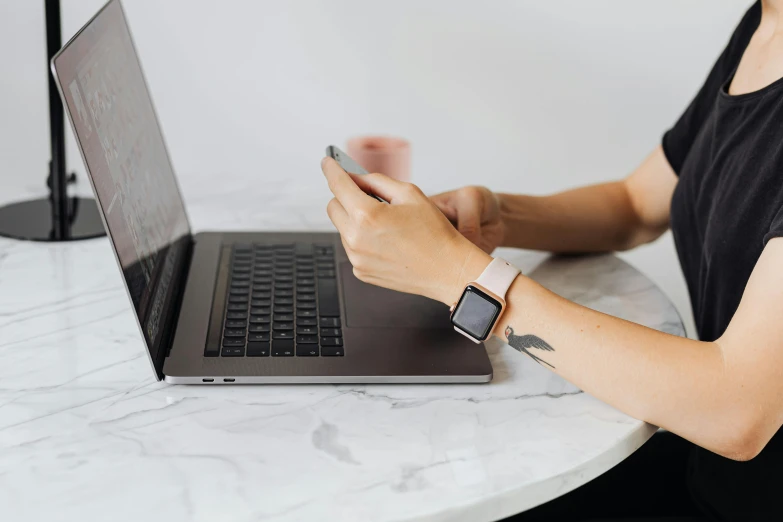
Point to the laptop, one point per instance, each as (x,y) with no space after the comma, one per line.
(234,307)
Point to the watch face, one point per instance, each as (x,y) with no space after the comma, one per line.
(476,312)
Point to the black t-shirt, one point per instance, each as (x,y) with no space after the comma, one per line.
(728,153)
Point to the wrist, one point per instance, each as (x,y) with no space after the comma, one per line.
(465,265)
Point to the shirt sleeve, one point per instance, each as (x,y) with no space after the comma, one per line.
(775,228)
(678,140)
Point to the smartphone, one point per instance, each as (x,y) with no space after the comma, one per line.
(349,165)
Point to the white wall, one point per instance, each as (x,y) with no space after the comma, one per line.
(524,96)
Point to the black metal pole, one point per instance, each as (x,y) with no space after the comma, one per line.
(57,176)
(56,217)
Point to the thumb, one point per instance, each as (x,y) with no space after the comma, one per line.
(380,185)
(444,203)
(468,217)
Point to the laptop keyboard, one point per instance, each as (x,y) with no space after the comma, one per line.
(282,302)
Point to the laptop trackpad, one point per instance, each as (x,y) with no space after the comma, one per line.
(369,306)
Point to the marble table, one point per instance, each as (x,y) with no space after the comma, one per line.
(87,433)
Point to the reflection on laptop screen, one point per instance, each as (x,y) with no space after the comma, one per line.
(117,130)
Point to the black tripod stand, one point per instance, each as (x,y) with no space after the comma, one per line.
(58,217)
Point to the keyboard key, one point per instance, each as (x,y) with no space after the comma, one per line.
(306,313)
(286,334)
(240,277)
(287,309)
(307,330)
(284,301)
(305,290)
(306,321)
(237,307)
(281,327)
(211,351)
(258,337)
(258,349)
(328,303)
(332,351)
(235,351)
(283,278)
(240,284)
(305,306)
(284,318)
(236,315)
(326,274)
(283,348)
(307,282)
(285,270)
(284,292)
(307,350)
(261,302)
(284,285)
(259,319)
(331,332)
(233,341)
(234,332)
(259,328)
(305,298)
(262,280)
(240,269)
(260,289)
(303,249)
(238,298)
(330,322)
(260,311)
(331,341)
(236,324)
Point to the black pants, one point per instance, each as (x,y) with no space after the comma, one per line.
(650,485)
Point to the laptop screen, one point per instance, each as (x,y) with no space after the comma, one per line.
(109,105)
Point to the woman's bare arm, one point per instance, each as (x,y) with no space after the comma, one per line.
(726,396)
(598,218)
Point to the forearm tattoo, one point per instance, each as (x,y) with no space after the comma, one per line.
(522,343)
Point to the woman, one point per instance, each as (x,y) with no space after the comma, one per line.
(717,180)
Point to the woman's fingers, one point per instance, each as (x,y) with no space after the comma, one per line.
(338,215)
(389,189)
(344,188)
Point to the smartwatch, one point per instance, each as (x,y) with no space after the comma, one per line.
(483,301)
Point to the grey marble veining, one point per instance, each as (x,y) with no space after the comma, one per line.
(86,433)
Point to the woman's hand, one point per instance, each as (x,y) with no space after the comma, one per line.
(475,211)
(407,245)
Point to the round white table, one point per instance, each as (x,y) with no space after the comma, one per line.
(87,433)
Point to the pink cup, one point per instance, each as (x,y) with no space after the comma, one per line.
(384,154)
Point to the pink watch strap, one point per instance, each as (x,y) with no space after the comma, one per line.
(498,276)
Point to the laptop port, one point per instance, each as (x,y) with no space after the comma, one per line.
(228,380)
(208,380)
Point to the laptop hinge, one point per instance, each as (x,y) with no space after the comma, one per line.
(176,305)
